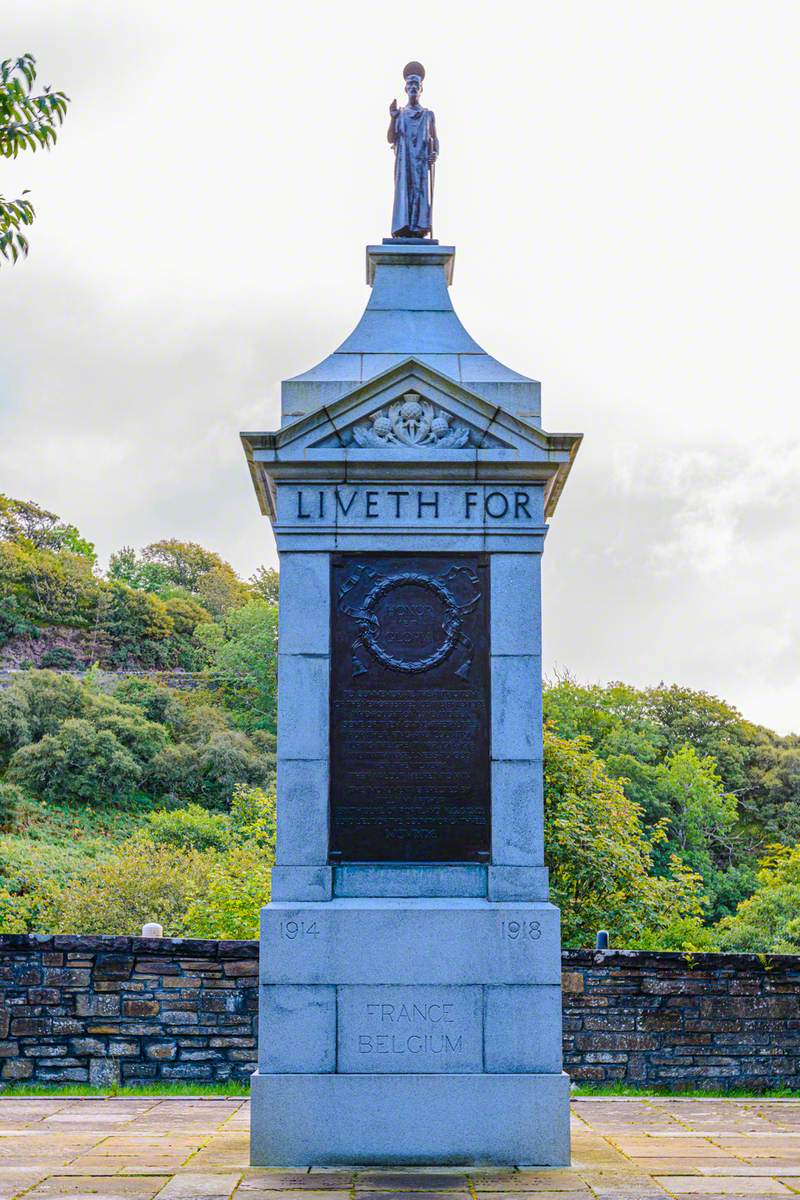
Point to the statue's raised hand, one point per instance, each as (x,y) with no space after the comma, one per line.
(393,110)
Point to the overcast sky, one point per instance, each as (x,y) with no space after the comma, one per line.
(621,181)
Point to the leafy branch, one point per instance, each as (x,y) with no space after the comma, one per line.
(28,121)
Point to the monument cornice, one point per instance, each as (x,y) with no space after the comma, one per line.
(315,447)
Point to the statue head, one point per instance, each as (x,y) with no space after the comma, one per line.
(413,73)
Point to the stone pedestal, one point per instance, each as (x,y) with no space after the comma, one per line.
(410,1005)
(426,1030)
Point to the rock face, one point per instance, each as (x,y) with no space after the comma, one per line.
(410,1007)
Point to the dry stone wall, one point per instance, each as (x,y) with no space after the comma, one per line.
(108,1010)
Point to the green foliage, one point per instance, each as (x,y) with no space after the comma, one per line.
(28,121)
(79,762)
(683,933)
(125,566)
(171,565)
(59,658)
(143,882)
(769,920)
(44,587)
(158,703)
(198,874)
(184,563)
(27,523)
(721,786)
(12,801)
(142,738)
(237,888)
(46,699)
(599,856)
(265,583)
(244,656)
(13,622)
(253,817)
(192,827)
(138,625)
(14,727)
(186,615)
(209,772)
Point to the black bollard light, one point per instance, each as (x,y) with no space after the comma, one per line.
(601,942)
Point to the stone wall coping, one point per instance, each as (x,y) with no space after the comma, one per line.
(248,949)
(108,944)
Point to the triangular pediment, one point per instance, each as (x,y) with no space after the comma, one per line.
(415,420)
(410,417)
(410,409)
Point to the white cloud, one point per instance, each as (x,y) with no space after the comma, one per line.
(622,186)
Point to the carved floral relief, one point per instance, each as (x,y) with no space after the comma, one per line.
(411,421)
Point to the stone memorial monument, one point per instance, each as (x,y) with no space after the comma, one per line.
(410,1000)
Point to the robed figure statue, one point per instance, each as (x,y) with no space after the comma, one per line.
(412,135)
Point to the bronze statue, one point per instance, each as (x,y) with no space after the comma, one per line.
(412,136)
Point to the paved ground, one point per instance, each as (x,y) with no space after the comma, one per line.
(197,1150)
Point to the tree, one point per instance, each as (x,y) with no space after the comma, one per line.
(138,624)
(184,563)
(27,522)
(45,587)
(600,858)
(28,121)
(244,661)
(769,920)
(183,570)
(265,583)
(720,786)
(125,566)
(80,763)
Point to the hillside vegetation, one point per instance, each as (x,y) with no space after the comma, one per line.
(670,820)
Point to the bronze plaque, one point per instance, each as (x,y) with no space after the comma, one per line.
(410,708)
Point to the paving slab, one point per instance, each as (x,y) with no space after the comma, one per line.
(195,1149)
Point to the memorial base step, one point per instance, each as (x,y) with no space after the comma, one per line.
(300,1120)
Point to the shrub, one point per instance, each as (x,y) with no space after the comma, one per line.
(768,920)
(208,773)
(228,759)
(141,737)
(253,817)
(192,827)
(174,771)
(143,882)
(186,615)
(60,658)
(158,703)
(237,888)
(203,721)
(48,699)
(29,911)
(683,933)
(138,625)
(79,762)
(14,725)
(12,801)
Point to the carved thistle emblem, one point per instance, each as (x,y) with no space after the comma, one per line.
(409,621)
(411,421)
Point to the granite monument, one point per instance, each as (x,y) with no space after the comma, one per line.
(410,1004)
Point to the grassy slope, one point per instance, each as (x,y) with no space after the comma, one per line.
(60,840)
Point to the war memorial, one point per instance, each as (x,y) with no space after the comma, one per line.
(410,1000)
